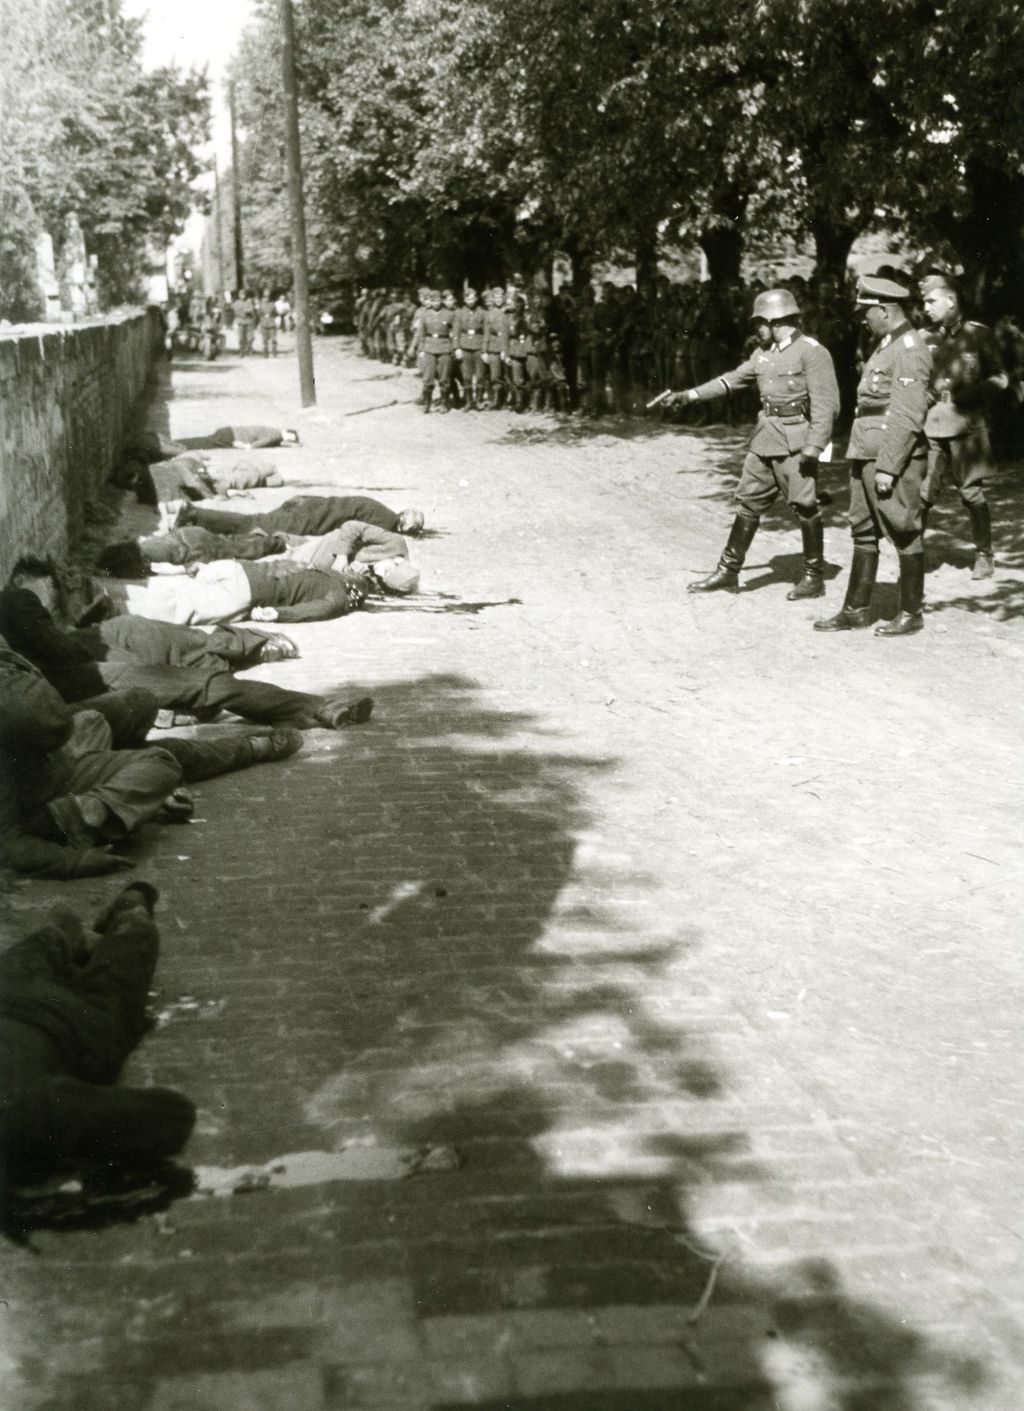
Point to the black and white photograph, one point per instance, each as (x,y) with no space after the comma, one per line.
(511,711)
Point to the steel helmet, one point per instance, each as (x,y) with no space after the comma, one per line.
(774,304)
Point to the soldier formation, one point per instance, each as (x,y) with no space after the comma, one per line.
(920,409)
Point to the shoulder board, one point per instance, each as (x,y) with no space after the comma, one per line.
(813,341)
(910,340)
(973,323)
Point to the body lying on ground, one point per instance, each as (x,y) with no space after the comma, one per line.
(67,798)
(189,477)
(306,514)
(241,438)
(189,544)
(272,590)
(152,446)
(378,556)
(72,1008)
(178,667)
(354,542)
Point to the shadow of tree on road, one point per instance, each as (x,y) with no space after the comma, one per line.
(949,542)
(429,939)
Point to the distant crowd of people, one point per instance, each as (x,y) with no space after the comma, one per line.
(250,315)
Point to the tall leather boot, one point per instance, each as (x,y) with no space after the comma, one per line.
(926,510)
(981,532)
(726,575)
(812,584)
(856,609)
(910,617)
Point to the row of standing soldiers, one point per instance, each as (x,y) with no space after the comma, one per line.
(611,352)
(522,348)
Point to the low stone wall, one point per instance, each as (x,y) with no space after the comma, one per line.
(67,397)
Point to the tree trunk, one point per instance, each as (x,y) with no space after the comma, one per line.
(580,259)
(990,240)
(833,241)
(646,256)
(722,237)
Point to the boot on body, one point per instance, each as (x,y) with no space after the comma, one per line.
(910,617)
(726,575)
(981,532)
(856,609)
(812,583)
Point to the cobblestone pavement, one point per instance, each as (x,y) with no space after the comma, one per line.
(647,970)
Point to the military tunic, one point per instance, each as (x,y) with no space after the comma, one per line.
(887,437)
(799,402)
(246,316)
(495,348)
(468,333)
(964,357)
(435,335)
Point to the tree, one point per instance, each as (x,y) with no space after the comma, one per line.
(83,128)
(444,137)
(955,69)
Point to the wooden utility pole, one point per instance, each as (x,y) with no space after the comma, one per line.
(236,193)
(293,154)
(218,236)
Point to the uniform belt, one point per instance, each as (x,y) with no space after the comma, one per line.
(771,408)
(868,411)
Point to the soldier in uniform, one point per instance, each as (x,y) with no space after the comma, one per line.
(468,334)
(495,349)
(523,356)
(888,459)
(799,402)
(245,321)
(434,343)
(967,373)
(268,324)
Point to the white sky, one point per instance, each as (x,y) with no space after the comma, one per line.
(190,31)
(194,32)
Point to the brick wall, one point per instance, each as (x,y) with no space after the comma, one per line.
(67,396)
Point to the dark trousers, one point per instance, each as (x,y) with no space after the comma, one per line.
(68,1020)
(294,520)
(150,643)
(896,516)
(471,366)
(207,687)
(219,440)
(967,460)
(764,478)
(130,714)
(437,367)
(495,369)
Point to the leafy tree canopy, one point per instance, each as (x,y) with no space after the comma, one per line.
(446,138)
(84,128)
